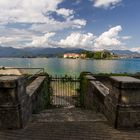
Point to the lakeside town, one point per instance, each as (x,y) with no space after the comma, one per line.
(100,55)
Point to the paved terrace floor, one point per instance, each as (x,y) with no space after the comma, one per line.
(69,124)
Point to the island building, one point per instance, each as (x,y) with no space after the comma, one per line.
(74,55)
(71,55)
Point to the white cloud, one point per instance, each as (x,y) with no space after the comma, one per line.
(36,13)
(41,41)
(136,49)
(28,11)
(14,37)
(4,40)
(78,40)
(56,25)
(109,38)
(65,12)
(126,37)
(31,11)
(105,3)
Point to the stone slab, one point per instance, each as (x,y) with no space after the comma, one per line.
(9,81)
(89,77)
(125,82)
(101,88)
(35,85)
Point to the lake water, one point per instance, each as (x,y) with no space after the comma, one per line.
(74,66)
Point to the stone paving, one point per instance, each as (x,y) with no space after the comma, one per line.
(69,124)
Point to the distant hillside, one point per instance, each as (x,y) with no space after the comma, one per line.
(124,52)
(11,52)
(35,52)
(51,52)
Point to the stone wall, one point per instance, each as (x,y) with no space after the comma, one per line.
(120,103)
(18,102)
(36,91)
(126,92)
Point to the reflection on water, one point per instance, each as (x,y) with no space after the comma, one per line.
(74,66)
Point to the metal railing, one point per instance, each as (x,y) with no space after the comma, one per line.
(65,90)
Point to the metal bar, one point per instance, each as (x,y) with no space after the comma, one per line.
(56,86)
(65,87)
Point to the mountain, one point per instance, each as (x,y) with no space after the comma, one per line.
(35,52)
(124,52)
(51,52)
(11,52)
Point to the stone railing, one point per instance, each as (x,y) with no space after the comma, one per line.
(18,102)
(120,103)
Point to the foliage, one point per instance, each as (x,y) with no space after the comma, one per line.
(47,92)
(98,54)
(83,88)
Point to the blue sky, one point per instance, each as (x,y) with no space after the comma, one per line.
(88,24)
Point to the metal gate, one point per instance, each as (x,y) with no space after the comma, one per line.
(65,90)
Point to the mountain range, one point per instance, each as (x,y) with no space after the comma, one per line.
(124,52)
(49,52)
(36,52)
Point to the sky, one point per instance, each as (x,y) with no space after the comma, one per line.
(87,24)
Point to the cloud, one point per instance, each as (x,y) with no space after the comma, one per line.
(28,11)
(78,40)
(38,15)
(105,3)
(65,12)
(136,49)
(109,38)
(15,37)
(53,25)
(126,37)
(41,41)
(31,11)
(4,40)
(77,2)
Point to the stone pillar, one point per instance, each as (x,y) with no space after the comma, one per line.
(125,94)
(88,98)
(15,108)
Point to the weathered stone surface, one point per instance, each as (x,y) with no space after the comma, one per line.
(69,124)
(10,81)
(36,90)
(35,85)
(125,82)
(10,71)
(11,90)
(96,93)
(16,106)
(126,91)
(128,117)
(120,103)
(90,77)
(14,102)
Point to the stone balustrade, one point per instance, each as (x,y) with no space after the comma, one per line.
(125,94)
(17,102)
(120,103)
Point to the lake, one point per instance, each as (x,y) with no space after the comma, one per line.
(58,66)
